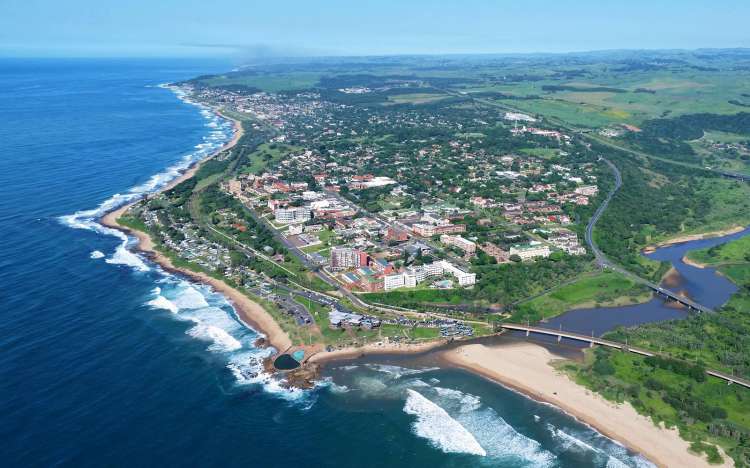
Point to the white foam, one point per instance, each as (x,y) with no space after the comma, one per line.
(161,302)
(222,341)
(436,425)
(123,256)
(96,254)
(185,301)
(615,453)
(190,298)
(88,219)
(467,401)
(396,372)
(502,441)
(571,441)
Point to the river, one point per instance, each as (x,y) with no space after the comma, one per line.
(703,285)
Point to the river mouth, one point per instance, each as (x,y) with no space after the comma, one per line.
(703,285)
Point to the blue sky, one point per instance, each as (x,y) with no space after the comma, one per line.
(238,28)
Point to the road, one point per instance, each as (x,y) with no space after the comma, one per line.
(604,262)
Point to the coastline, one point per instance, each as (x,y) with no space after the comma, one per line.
(249,312)
(323,357)
(693,237)
(527,371)
(527,368)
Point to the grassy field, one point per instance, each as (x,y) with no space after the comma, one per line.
(265,155)
(600,290)
(544,153)
(736,251)
(272,82)
(416,98)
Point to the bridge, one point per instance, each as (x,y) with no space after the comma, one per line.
(604,262)
(560,334)
(593,340)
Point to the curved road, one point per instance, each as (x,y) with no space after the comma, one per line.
(604,262)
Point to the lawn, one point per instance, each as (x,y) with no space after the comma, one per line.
(265,155)
(603,289)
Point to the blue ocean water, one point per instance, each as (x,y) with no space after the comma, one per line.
(108,361)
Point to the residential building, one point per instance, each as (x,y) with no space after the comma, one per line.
(530,251)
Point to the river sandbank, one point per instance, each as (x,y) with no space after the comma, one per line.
(527,368)
(692,237)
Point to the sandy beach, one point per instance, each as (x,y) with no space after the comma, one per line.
(249,311)
(526,367)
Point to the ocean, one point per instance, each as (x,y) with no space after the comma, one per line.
(109,361)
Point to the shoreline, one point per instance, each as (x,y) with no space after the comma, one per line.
(662,446)
(527,368)
(693,237)
(687,261)
(249,312)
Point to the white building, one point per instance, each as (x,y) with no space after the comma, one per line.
(394,281)
(587,190)
(292,215)
(464,278)
(517,116)
(530,251)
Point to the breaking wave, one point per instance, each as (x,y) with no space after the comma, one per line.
(436,425)
(213,319)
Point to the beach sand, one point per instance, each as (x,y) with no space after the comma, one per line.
(249,311)
(527,368)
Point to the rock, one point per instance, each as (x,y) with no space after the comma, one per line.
(303,377)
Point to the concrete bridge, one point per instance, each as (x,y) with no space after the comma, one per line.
(692,305)
(592,340)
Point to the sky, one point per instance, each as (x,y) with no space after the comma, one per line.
(243,29)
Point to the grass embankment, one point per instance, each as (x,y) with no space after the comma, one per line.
(606,289)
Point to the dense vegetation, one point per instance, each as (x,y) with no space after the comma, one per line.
(659,200)
(668,137)
(677,393)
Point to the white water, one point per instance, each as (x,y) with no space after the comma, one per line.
(96,254)
(214,319)
(436,425)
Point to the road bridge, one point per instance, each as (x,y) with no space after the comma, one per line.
(593,340)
